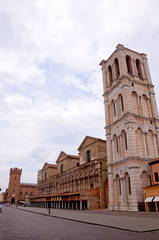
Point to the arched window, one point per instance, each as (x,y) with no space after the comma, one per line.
(138,66)
(117,71)
(110,75)
(116,147)
(112,110)
(127,184)
(150,144)
(118,185)
(124,145)
(139,142)
(91,186)
(135,104)
(128,63)
(121,103)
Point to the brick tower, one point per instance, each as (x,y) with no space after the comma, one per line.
(132,126)
(14,185)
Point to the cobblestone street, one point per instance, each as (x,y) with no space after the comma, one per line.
(16,224)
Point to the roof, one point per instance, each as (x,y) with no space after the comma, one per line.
(66,156)
(93,141)
(120,46)
(49,165)
(155,161)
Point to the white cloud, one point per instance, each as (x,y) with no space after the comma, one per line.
(50,80)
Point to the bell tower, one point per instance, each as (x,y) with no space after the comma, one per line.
(14,185)
(132,126)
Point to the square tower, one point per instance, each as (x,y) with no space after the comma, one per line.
(14,185)
(132,126)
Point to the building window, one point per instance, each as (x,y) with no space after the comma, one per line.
(13,190)
(91,186)
(126,145)
(114,109)
(156,177)
(128,63)
(122,103)
(110,75)
(129,185)
(77,164)
(45,175)
(138,66)
(88,156)
(61,168)
(117,67)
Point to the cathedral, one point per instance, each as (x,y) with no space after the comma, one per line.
(132,126)
(115,173)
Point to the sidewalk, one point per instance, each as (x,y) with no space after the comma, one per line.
(130,221)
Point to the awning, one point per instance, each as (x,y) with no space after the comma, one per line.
(148,199)
(156,199)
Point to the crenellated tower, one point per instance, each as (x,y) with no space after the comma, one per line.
(14,185)
(132,126)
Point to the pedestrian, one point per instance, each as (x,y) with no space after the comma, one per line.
(0,208)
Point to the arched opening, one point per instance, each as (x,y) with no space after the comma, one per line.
(13,201)
(116,147)
(127,184)
(124,145)
(121,103)
(150,144)
(91,186)
(117,71)
(117,189)
(128,63)
(139,142)
(135,104)
(138,66)
(110,75)
(113,111)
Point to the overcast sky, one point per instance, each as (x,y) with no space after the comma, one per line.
(50,78)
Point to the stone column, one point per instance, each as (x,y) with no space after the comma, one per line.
(113,75)
(117,108)
(149,108)
(108,79)
(115,190)
(135,188)
(142,71)
(135,68)
(81,205)
(132,65)
(110,189)
(142,106)
(113,150)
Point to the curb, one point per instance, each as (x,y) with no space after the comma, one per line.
(90,223)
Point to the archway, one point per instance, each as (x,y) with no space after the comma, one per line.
(13,201)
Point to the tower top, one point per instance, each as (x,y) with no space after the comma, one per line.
(16,170)
(122,48)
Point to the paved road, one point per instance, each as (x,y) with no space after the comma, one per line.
(23,225)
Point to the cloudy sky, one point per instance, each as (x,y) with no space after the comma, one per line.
(50,78)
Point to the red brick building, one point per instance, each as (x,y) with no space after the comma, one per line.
(17,191)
